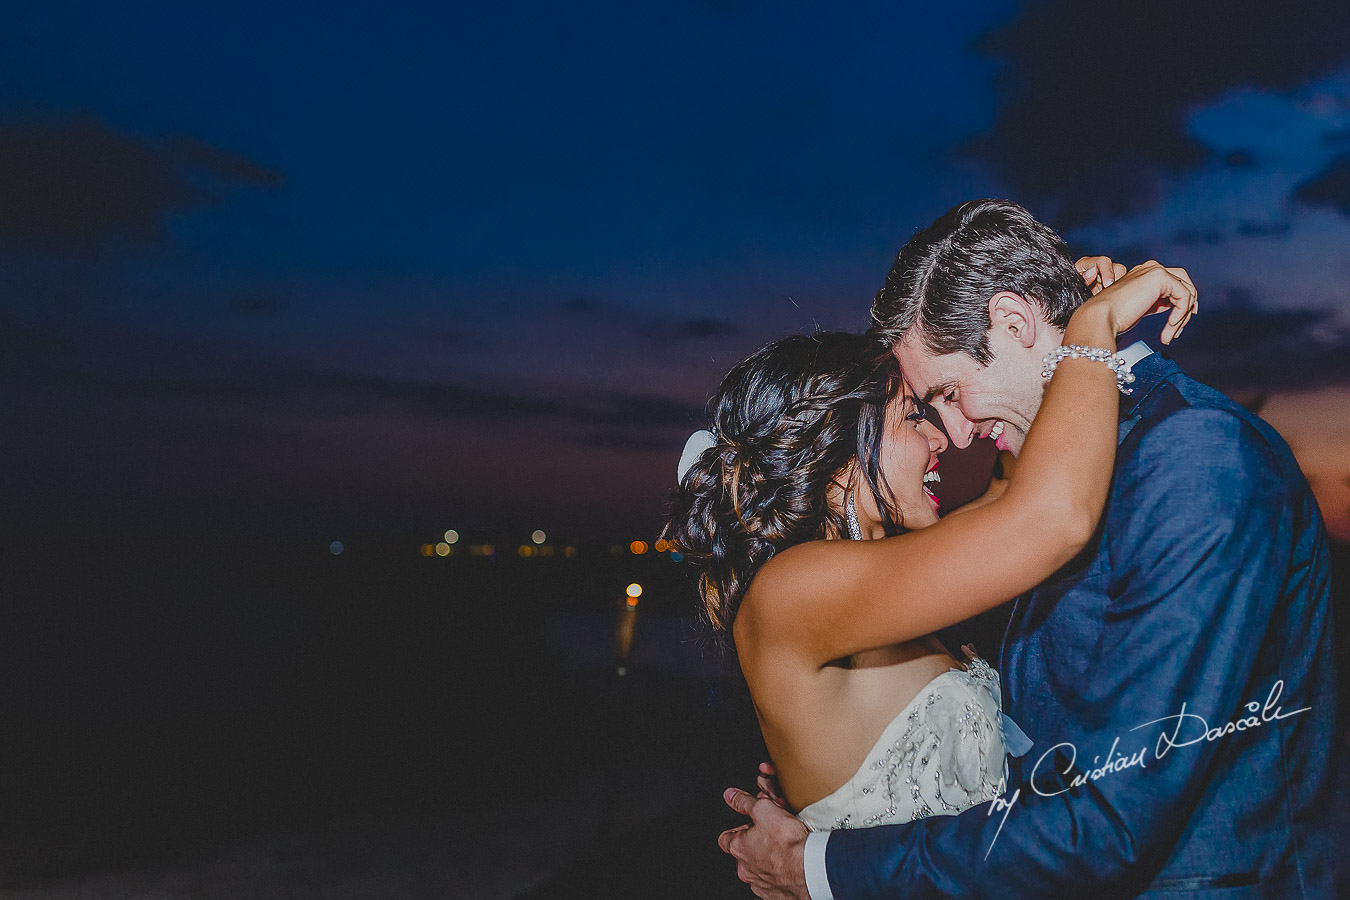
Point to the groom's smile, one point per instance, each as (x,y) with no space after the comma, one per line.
(995,401)
(995,434)
(973,401)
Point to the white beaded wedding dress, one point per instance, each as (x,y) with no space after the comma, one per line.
(942,754)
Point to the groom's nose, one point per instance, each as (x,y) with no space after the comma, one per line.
(960,429)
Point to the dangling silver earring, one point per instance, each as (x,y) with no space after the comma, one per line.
(851,518)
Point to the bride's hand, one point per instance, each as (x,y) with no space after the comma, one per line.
(1144,290)
(1099,272)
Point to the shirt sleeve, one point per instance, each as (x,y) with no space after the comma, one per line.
(817,881)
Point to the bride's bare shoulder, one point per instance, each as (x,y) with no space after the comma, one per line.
(810,594)
(791,582)
(783,576)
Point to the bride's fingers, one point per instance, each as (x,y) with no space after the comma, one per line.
(1190,314)
(1183,307)
(1193,298)
(1099,272)
(1194,308)
(1181,295)
(1182,275)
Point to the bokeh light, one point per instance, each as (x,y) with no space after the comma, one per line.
(634,590)
(638,547)
(452,536)
(336,548)
(442,549)
(538,536)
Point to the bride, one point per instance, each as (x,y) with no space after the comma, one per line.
(819,554)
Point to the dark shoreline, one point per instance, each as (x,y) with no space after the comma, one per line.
(162,706)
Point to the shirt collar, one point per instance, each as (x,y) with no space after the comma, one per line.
(1135,352)
(1150,370)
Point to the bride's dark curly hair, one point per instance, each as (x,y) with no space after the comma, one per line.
(787,421)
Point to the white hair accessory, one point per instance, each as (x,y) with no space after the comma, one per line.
(699,443)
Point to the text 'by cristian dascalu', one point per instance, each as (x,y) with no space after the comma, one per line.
(1185,729)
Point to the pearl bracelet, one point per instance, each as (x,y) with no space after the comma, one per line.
(1115,363)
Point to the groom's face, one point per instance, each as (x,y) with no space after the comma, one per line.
(996,401)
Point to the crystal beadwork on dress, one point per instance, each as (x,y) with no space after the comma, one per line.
(941,754)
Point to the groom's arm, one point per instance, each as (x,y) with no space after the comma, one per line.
(1199,553)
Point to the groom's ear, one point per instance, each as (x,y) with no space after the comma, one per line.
(1014,316)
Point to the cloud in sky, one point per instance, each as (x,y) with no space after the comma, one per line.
(218,381)
(569,411)
(151,436)
(698,180)
(1252,230)
(658,330)
(1243,347)
(1095,100)
(1329,187)
(76,183)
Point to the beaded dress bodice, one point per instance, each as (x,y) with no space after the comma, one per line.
(942,754)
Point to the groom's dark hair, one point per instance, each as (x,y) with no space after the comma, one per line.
(943,278)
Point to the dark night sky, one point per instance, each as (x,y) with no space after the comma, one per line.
(284,269)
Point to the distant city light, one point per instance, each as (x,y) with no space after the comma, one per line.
(638,547)
(442,549)
(525,551)
(634,590)
(336,548)
(570,552)
(676,555)
(452,536)
(631,601)
(538,536)
(428,550)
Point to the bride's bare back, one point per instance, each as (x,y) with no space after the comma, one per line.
(820,725)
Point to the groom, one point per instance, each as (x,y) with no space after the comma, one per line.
(1176,679)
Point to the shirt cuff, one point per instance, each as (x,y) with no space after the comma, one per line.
(817,880)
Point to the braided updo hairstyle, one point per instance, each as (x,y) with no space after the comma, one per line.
(786,421)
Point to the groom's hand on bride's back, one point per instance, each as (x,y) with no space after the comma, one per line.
(770,850)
